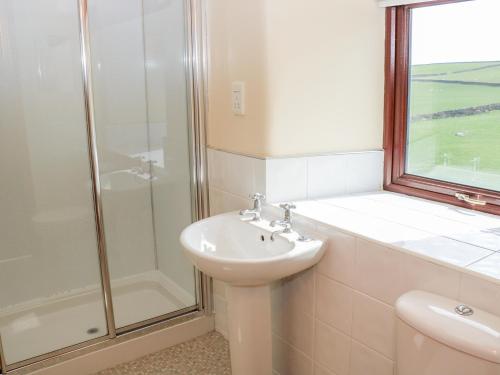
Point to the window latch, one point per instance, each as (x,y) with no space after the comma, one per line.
(467,198)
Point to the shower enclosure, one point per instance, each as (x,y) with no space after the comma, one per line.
(101,164)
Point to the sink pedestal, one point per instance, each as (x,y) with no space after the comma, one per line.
(241,253)
(249,324)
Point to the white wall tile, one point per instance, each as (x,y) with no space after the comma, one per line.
(211,163)
(231,173)
(221,202)
(286,179)
(219,288)
(326,176)
(339,174)
(221,325)
(488,266)
(377,271)
(364,171)
(289,361)
(292,310)
(418,274)
(283,179)
(220,308)
(259,176)
(334,304)
(446,250)
(215,163)
(373,324)
(488,238)
(320,370)
(296,292)
(220,304)
(332,348)
(339,260)
(365,361)
(480,293)
(386,274)
(294,327)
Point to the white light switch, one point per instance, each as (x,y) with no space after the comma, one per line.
(238,98)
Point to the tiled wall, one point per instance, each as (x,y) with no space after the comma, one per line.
(338,317)
(233,177)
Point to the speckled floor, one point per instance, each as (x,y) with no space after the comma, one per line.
(205,355)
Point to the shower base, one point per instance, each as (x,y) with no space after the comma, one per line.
(44,325)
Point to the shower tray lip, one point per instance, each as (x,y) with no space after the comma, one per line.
(85,301)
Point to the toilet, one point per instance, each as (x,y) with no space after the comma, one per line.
(441,336)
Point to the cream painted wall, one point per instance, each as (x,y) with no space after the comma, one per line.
(237,51)
(313,71)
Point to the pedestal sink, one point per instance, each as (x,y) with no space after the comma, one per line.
(241,253)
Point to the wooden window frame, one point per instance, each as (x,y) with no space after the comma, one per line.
(395,122)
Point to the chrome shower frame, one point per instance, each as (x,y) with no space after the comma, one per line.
(195,62)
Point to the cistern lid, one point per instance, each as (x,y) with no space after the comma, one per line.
(452,323)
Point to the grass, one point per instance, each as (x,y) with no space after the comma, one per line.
(448,67)
(430,97)
(490,75)
(460,149)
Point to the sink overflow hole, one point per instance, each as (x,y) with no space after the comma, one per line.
(92,330)
(262,238)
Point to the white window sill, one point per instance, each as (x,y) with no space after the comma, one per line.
(444,234)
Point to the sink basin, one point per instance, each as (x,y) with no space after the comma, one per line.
(241,253)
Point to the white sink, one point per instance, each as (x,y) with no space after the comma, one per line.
(241,253)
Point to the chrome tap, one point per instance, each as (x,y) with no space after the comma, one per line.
(286,223)
(257,199)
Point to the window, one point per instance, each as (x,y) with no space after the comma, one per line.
(442,112)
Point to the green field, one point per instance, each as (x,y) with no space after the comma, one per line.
(429,97)
(449,68)
(491,75)
(462,147)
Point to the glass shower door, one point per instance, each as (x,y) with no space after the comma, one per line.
(50,283)
(140,90)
